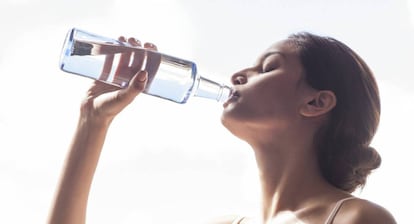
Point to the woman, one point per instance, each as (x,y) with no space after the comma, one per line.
(309,109)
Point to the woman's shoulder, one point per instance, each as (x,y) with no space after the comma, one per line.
(363,211)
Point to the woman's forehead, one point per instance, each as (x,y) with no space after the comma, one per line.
(284,46)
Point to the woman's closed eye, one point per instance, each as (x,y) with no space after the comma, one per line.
(271,63)
(268,67)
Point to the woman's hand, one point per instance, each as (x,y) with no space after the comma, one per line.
(104,101)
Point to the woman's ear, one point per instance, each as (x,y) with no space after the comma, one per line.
(321,102)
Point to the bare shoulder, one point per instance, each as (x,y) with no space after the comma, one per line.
(360,211)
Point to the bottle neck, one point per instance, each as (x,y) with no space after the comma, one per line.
(210,89)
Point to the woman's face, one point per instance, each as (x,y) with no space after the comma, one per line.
(269,94)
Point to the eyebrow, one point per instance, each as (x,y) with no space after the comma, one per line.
(263,57)
(271,53)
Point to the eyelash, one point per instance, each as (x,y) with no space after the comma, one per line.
(268,68)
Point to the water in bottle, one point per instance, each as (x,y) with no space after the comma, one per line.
(115,62)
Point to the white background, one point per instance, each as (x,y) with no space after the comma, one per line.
(165,162)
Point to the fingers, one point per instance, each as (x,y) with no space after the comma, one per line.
(138,55)
(107,67)
(123,60)
(153,61)
(150,46)
(125,69)
(131,61)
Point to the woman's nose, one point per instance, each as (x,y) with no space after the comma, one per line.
(238,79)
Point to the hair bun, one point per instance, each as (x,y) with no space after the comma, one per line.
(352,167)
(365,159)
(369,158)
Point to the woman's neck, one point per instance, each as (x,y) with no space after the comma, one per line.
(289,177)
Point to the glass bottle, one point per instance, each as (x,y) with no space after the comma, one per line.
(115,62)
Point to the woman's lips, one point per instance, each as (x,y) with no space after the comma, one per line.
(232,98)
(235,94)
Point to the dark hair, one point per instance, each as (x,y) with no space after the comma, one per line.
(345,157)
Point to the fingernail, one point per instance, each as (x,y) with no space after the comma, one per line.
(150,45)
(142,76)
(134,41)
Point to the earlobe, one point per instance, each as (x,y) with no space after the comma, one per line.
(320,103)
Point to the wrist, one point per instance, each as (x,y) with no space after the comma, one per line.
(95,121)
(94,117)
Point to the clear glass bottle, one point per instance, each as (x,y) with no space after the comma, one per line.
(115,62)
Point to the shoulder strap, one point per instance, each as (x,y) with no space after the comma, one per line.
(336,209)
(238,220)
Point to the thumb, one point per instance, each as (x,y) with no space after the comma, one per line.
(139,81)
(136,86)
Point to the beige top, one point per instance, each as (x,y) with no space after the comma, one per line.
(330,219)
